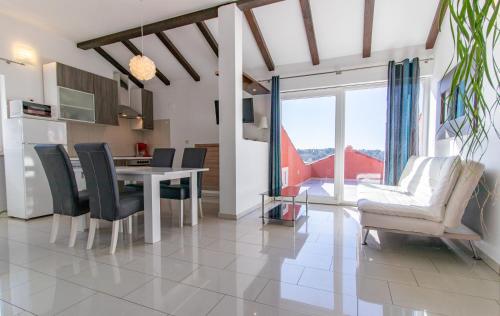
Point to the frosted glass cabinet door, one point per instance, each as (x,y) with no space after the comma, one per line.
(76,105)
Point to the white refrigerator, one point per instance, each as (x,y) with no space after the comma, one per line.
(27,188)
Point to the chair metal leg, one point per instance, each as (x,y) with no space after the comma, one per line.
(114,236)
(92,227)
(74,228)
(200,208)
(181,215)
(475,256)
(367,232)
(55,228)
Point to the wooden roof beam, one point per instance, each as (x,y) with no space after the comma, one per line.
(202,26)
(305,6)
(117,65)
(177,54)
(167,24)
(436,25)
(368,28)
(259,39)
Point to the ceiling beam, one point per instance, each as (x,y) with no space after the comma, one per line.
(151,28)
(250,85)
(308,24)
(136,51)
(245,5)
(261,43)
(436,25)
(167,24)
(202,26)
(368,28)
(122,69)
(177,54)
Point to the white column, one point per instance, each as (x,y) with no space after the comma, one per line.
(230,104)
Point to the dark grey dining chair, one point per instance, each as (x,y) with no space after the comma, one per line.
(66,199)
(191,158)
(162,157)
(106,202)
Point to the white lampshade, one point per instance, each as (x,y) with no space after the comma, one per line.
(263,123)
(142,67)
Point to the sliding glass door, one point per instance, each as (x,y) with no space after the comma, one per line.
(364,137)
(333,140)
(308,145)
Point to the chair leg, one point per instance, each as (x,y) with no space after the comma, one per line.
(128,224)
(367,232)
(200,208)
(75,223)
(475,256)
(92,227)
(55,228)
(114,236)
(181,215)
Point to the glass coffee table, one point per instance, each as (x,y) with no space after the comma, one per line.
(284,211)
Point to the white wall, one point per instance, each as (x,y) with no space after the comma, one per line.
(490,244)
(25,82)
(190,107)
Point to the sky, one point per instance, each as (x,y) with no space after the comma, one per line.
(310,122)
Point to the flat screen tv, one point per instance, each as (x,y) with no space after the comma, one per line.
(247,110)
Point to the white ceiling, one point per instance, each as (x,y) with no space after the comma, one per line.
(338,25)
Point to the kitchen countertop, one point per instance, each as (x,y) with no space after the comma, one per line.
(120,158)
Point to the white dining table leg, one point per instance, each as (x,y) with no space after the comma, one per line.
(152,225)
(194,196)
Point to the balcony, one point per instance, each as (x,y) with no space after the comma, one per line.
(318,175)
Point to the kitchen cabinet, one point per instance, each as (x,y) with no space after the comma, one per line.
(106,100)
(147,109)
(142,101)
(79,95)
(73,78)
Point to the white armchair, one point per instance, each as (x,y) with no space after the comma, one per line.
(430,199)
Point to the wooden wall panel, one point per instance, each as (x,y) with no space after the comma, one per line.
(211,178)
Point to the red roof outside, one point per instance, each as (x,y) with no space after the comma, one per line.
(358,165)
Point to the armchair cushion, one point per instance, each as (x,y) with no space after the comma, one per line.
(422,192)
(393,202)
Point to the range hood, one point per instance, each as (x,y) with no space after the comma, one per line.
(124,108)
(126,111)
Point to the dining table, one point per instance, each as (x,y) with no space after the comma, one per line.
(151,178)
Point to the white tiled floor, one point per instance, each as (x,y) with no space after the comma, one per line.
(224,267)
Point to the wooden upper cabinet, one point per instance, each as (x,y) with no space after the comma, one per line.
(106,100)
(147,109)
(73,78)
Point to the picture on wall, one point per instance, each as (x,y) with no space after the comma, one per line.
(451,111)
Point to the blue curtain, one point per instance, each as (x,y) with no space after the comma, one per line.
(275,140)
(402,117)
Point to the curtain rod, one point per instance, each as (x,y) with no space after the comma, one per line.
(346,85)
(340,71)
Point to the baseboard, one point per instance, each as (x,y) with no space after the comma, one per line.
(488,260)
(241,214)
(483,255)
